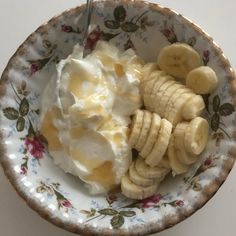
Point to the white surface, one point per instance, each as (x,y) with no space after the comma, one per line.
(18,18)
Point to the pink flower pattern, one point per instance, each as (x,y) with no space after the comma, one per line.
(67,28)
(206,56)
(53,189)
(93,38)
(151,201)
(166,32)
(35,146)
(208,161)
(24,170)
(34,67)
(65,203)
(179,203)
(170,34)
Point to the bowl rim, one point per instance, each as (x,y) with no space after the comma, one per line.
(169,221)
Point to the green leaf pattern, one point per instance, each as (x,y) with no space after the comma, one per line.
(216,103)
(117,221)
(215,122)
(20,124)
(24,107)
(127,213)
(111,24)
(129,27)
(219,111)
(108,212)
(226,109)
(121,22)
(11,113)
(119,13)
(20,114)
(109,36)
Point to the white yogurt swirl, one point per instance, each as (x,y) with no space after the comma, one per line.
(86,109)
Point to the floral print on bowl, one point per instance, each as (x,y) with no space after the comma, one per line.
(62,198)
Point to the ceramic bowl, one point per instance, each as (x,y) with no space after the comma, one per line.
(61,198)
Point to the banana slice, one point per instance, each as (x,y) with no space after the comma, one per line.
(159,94)
(157,85)
(162,80)
(148,69)
(179,136)
(167,95)
(164,163)
(144,130)
(176,165)
(147,93)
(178,59)
(202,80)
(139,180)
(147,171)
(193,107)
(173,98)
(136,127)
(184,157)
(152,74)
(157,74)
(134,191)
(161,144)
(196,135)
(175,114)
(179,133)
(155,77)
(153,132)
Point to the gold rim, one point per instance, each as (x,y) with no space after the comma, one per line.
(168,221)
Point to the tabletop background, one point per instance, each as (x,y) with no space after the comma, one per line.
(18,18)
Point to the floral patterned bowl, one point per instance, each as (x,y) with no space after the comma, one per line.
(61,198)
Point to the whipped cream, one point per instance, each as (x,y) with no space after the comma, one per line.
(86,109)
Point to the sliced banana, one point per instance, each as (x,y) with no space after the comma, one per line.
(153,74)
(178,59)
(167,95)
(134,191)
(154,78)
(138,179)
(176,112)
(202,80)
(196,135)
(150,172)
(184,157)
(147,118)
(161,144)
(153,132)
(176,165)
(148,69)
(147,93)
(162,79)
(179,137)
(173,98)
(159,94)
(179,133)
(164,163)
(157,74)
(157,85)
(193,107)
(136,127)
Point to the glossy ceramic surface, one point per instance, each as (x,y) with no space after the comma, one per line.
(61,198)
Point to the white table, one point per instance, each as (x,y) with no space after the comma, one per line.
(18,18)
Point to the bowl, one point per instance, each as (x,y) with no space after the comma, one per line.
(61,198)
